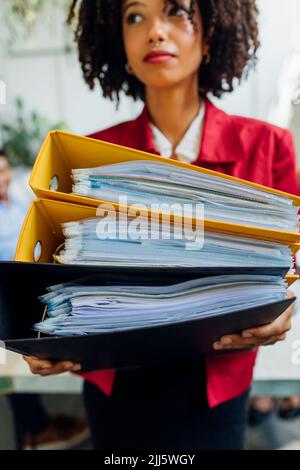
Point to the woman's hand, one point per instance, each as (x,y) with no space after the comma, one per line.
(260,336)
(44,368)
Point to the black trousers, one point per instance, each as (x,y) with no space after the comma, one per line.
(163,409)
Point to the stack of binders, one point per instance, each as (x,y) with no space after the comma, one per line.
(123,300)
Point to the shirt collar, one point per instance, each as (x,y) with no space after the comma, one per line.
(188,148)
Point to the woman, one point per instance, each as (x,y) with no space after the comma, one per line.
(171,54)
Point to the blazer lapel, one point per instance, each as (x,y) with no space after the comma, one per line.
(220,143)
(138,134)
(220,138)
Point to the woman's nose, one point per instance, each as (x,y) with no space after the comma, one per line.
(157,31)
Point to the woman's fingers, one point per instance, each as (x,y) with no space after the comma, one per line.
(60,368)
(280,326)
(43,367)
(34,362)
(233,342)
(274,340)
(260,336)
(238,342)
(276,328)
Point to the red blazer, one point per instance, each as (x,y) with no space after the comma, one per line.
(241,147)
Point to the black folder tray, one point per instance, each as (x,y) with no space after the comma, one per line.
(22,283)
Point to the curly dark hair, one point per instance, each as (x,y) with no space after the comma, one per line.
(230,28)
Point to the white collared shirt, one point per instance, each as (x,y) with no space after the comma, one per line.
(187,150)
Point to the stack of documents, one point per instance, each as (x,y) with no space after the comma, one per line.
(75,309)
(85,245)
(154,291)
(148,182)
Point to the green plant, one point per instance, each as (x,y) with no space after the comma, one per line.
(23,138)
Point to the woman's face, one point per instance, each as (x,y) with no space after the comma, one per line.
(162,45)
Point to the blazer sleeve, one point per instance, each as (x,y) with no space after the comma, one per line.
(284,165)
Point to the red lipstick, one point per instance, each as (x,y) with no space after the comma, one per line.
(158,56)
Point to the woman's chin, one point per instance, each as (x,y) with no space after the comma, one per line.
(161,81)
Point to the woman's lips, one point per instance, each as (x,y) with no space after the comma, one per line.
(158,56)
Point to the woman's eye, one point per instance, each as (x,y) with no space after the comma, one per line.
(133,18)
(178,11)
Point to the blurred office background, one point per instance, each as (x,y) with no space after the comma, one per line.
(43,87)
(39,64)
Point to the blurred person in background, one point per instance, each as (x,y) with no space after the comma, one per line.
(34,428)
(12,212)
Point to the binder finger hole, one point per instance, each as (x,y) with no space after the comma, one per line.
(37,252)
(54,183)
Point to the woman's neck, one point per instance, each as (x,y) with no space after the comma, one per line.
(172,110)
